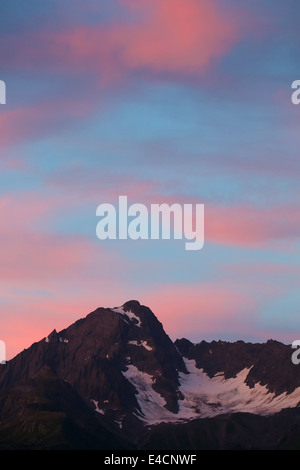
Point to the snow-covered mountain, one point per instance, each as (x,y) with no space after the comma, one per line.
(133,381)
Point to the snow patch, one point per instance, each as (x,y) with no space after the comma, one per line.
(96,403)
(209,397)
(129,314)
(62,340)
(144,344)
(206,397)
(119,422)
(151,403)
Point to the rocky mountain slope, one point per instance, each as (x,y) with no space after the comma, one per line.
(115,380)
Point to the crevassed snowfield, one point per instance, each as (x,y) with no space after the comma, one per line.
(206,397)
(151,403)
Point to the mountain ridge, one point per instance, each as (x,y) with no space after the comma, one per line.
(129,374)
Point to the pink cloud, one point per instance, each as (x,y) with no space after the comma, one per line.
(246,225)
(27,250)
(237,224)
(43,118)
(49,279)
(173,36)
(169,36)
(36,256)
(270,269)
(204,308)
(16,125)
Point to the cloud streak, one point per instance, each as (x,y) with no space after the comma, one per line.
(160,37)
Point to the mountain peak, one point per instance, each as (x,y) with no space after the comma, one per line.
(125,367)
(131,305)
(104,357)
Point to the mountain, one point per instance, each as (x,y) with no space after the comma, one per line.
(45,413)
(115,380)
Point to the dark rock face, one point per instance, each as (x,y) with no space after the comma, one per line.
(238,431)
(44,412)
(270,362)
(73,389)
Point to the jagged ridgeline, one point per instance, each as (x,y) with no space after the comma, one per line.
(115,380)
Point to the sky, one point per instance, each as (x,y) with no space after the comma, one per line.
(163,101)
